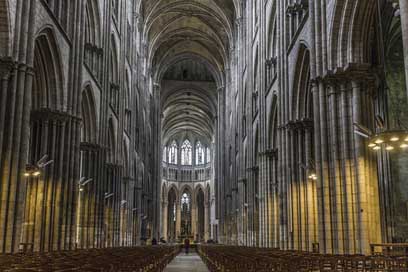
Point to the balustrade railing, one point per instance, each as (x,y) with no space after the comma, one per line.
(186,173)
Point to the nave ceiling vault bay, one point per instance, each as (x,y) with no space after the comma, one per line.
(200,32)
(199,29)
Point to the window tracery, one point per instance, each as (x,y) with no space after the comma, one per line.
(200,153)
(173,153)
(165,154)
(186,153)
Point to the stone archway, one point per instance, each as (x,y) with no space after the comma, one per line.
(186,217)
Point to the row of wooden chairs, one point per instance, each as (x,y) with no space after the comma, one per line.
(240,259)
(123,259)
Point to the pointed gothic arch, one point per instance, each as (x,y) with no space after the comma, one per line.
(301,94)
(126,159)
(92,24)
(302,165)
(127,104)
(186,153)
(48,85)
(186,199)
(111,141)
(89,116)
(114,61)
(199,153)
(173,152)
(350,32)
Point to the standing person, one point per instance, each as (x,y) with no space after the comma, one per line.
(186,245)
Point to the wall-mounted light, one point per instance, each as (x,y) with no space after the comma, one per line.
(313,176)
(83,182)
(32,171)
(35,170)
(108,195)
(311,169)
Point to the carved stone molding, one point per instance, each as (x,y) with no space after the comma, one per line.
(253,169)
(271,153)
(46,114)
(85,146)
(113,165)
(242,180)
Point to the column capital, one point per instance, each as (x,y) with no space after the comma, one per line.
(314,83)
(6,66)
(47,114)
(359,72)
(271,61)
(270,153)
(238,21)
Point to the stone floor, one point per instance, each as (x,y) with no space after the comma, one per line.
(189,263)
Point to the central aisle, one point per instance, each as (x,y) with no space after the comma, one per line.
(189,263)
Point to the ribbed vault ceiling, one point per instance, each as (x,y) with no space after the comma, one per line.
(201,28)
(188,108)
(199,31)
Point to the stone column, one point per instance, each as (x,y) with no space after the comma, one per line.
(6,68)
(404,27)
(220,169)
(165,205)
(194,217)
(363,206)
(206,222)
(178,218)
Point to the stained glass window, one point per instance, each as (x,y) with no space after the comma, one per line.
(185,201)
(199,153)
(186,150)
(173,153)
(165,154)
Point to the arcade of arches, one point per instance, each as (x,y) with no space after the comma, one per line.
(264,123)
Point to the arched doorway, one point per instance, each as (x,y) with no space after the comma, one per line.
(185,230)
(46,134)
(303,206)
